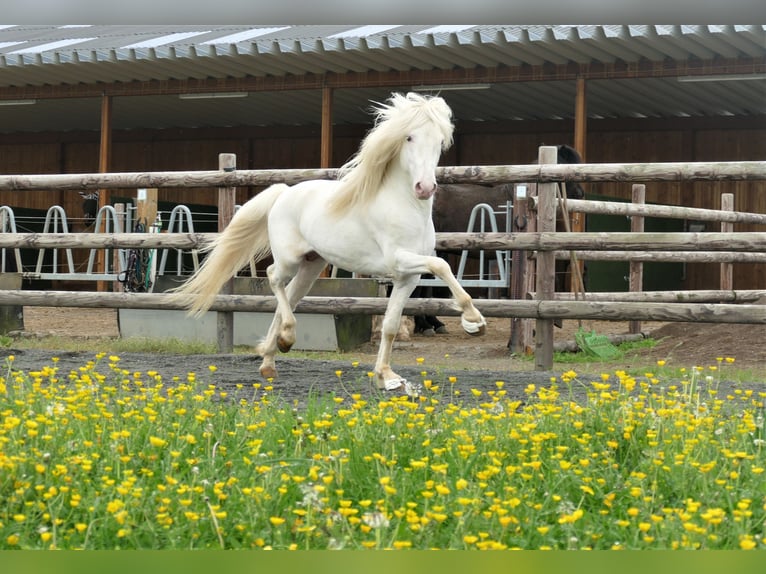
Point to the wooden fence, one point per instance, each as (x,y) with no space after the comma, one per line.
(544,308)
(637,211)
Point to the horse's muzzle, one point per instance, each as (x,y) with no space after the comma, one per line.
(425,191)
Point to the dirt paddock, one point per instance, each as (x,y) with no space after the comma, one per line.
(474,362)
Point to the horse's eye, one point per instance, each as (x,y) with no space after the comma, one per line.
(409,138)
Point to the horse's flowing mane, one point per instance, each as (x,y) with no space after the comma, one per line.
(360,178)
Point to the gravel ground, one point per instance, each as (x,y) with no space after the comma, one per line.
(474,362)
(301,378)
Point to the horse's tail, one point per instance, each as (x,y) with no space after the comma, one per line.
(245,239)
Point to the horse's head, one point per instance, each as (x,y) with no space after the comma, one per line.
(409,135)
(424,129)
(568,154)
(419,157)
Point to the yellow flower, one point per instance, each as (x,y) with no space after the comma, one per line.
(13,539)
(157,441)
(747,543)
(276,520)
(571,518)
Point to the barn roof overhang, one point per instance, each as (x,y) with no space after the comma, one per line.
(279,72)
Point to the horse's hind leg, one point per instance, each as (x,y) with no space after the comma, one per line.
(281,334)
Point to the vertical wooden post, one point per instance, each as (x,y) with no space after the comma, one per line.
(326,138)
(326,134)
(581,119)
(577,219)
(546,263)
(727,269)
(636,275)
(522,267)
(226,204)
(104,165)
(146,207)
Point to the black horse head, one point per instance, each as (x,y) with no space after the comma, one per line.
(568,154)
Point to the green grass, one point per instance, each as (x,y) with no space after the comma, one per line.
(103,458)
(628,348)
(113,344)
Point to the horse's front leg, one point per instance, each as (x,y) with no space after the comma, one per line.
(472,321)
(387,379)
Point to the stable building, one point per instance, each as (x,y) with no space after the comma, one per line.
(114,98)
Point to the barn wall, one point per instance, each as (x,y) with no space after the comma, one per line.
(475,144)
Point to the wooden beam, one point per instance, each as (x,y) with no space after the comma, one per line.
(747,241)
(602,310)
(104,165)
(146,207)
(581,119)
(546,271)
(636,271)
(326,143)
(727,269)
(397,78)
(577,220)
(227,162)
(668,171)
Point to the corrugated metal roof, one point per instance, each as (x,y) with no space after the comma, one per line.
(37,55)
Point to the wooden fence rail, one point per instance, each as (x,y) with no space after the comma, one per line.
(503,308)
(543,173)
(665,256)
(655,210)
(535,241)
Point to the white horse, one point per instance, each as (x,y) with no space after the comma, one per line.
(374,220)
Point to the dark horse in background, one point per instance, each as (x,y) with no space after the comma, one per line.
(452,208)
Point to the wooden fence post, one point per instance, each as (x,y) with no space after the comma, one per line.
(226,203)
(636,275)
(522,267)
(545,283)
(727,269)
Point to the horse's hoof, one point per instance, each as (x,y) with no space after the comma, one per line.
(268,372)
(475,329)
(401,385)
(442,330)
(283,345)
(429,332)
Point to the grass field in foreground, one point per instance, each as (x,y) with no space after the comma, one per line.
(103,458)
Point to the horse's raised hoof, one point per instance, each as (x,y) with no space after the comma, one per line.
(268,372)
(283,345)
(475,329)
